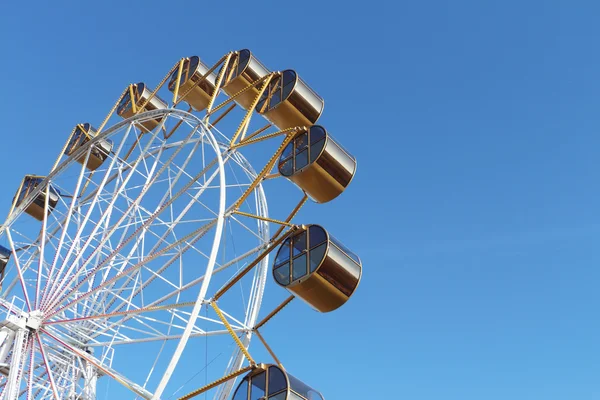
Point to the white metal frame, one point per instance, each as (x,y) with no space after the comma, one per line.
(68,293)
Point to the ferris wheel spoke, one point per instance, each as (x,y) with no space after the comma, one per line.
(143,226)
(223,332)
(199,279)
(111,264)
(159,271)
(237,220)
(89,213)
(23,249)
(197,233)
(47,366)
(170,230)
(65,227)
(69,275)
(19,270)
(105,369)
(117,250)
(31,368)
(121,313)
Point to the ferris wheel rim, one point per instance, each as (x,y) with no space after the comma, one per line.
(140,117)
(217,146)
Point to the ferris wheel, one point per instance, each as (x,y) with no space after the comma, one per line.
(151,233)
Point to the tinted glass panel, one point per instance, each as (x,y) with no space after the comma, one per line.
(282,274)
(123,104)
(77,138)
(173,79)
(316,235)
(301,160)
(296,249)
(301,142)
(299,269)
(242,392)
(277,380)
(315,150)
(299,243)
(287,151)
(280,396)
(316,256)
(287,168)
(258,386)
(261,102)
(289,77)
(283,254)
(316,133)
(287,89)
(243,60)
(275,98)
(192,65)
(227,74)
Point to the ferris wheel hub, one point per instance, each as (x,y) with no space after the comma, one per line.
(31,321)
(34,320)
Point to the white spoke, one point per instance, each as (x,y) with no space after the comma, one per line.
(123,263)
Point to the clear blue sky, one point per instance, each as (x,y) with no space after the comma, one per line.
(475,206)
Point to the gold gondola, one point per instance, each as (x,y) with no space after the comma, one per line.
(141,93)
(289,102)
(81,135)
(243,69)
(193,69)
(36,207)
(267,381)
(317,268)
(317,164)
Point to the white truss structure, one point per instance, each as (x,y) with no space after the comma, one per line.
(122,268)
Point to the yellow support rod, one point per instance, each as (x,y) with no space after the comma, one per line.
(272,313)
(265,170)
(87,182)
(202,78)
(137,140)
(218,85)
(275,221)
(234,66)
(272,175)
(223,115)
(132,98)
(278,77)
(257,132)
(14,203)
(112,111)
(258,259)
(160,85)
(62,152)
(271,352)
(248,115)
(232,98)
(217,383)
(292,214)
(64,149)
(177,125)
(177,82)
(268,136)
(232,333)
